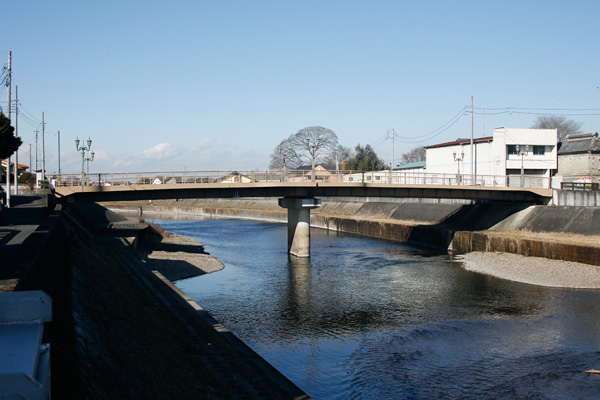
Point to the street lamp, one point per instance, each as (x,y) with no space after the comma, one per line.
(87,175)
(284,154)
(458,158)
(83,149)
(522,151)
(312,147)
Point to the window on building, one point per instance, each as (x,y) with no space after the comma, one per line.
(539,150)
(511,149)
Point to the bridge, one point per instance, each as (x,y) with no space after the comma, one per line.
(298,190)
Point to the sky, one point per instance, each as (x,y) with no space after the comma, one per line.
(217,85)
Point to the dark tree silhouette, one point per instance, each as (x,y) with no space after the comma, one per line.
(9,143)
(365,159)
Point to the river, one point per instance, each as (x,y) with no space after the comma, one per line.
(371,319)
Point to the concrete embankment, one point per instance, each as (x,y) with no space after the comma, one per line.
(558,233)
(511,228)
(118,331)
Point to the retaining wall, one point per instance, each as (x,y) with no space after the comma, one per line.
(578,198)
(466,242)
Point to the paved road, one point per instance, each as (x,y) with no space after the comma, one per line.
(17,223)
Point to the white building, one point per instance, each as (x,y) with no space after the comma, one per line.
(497,160)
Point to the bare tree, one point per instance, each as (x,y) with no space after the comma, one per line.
(337,156)
(285,154)
(303,147)
(414,155)
(563,125)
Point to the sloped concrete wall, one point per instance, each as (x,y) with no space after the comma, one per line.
(577,198)
(579,220)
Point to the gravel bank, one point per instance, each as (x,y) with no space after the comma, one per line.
(178,257)
(533,270)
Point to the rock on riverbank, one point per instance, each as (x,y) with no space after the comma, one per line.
(533,270)
(177,257)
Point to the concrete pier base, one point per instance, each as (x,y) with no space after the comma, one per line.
(299,224)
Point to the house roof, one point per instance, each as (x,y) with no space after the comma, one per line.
(328,167)
(580,144)
(234,174)
(19,166)
(461,141)
(412,165)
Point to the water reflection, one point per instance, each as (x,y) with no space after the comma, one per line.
(369,319)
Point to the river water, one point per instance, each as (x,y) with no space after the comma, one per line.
(370,319)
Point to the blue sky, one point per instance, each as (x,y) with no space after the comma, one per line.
(201,85)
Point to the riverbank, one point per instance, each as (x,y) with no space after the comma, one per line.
(176,257)
(532,270)
(569,236)
(121,330)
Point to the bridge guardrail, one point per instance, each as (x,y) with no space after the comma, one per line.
(296,176)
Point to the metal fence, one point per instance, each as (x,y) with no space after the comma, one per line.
(580,185)
(298,176)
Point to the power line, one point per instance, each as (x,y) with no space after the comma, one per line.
(29,119)
(538,111)
(29,113)
(538,108)
(436,132)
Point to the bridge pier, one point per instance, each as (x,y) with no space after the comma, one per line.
(299,224)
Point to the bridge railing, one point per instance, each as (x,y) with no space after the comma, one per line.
(298,176)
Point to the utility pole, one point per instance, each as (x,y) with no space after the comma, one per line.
(9,84)
(472,152)
(392,136)
(58,152)
(43,149)
(17,135)
(30,155)
(36,152)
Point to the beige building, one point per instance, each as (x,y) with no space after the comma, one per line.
(579,158)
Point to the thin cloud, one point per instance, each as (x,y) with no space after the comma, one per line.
(160,151)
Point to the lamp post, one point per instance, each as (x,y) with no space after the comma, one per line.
(83,149)
(284,154)
(87,175)
(522,151)
(458,158)
(312,147)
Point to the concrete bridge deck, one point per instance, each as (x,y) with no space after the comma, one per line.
(297,192)
(301,189)
(294,183)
